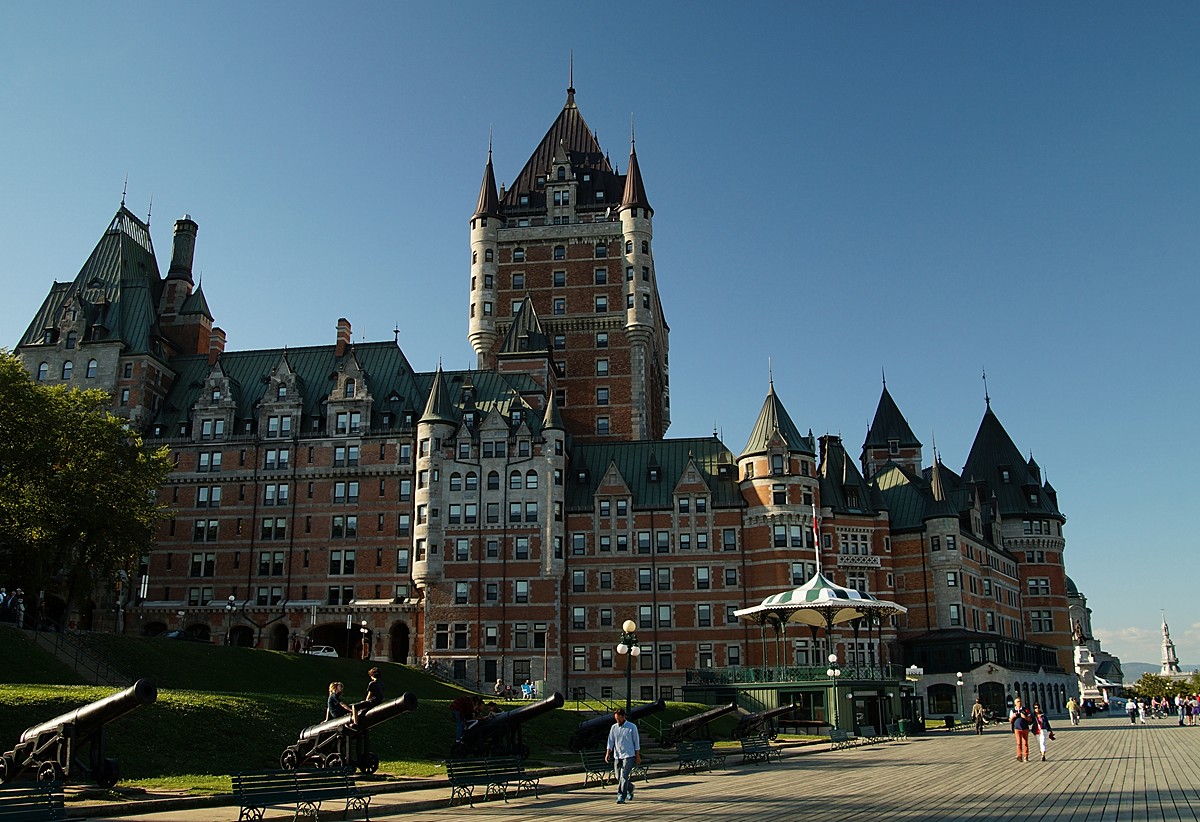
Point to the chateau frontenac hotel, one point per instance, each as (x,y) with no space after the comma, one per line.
(505,522)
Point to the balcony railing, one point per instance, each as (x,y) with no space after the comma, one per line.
(741,675)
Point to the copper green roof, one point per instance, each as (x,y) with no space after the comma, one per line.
(118,287)
(841,482)
(438,407)
(889,425)
(773,420)
(525,334)
(634,459)
(996,462)
(196,304)
(635,189)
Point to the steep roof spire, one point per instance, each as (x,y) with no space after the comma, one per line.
(635,189)
(552,419)
(489,201)
(773,420)
(439,408)
(889,424)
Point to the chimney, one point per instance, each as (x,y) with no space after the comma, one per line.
(183,249)
(343,337)
(216,345)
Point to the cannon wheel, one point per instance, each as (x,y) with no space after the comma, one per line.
(108,773)
(287,760)
(8,768)
(49,772)
(333,761)
(369,763)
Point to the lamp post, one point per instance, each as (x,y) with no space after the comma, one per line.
(230,604)
(961,709)
(349,636)
(366,640)
(181,615)
(833,672)
(627,646)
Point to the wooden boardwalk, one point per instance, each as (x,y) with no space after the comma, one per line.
(1104,770)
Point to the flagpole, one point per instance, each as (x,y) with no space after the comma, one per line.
(816,537)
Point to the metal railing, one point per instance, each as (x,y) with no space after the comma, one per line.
(740,675)
(68,649)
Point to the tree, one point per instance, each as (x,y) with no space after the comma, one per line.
(77,488)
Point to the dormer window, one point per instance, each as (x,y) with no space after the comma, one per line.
(777,464)
(581,476)
(281,393)
(72,338)
(349,391)
(48,336)
(599,196)
(216,395)
(523,200)
(562,172)
(654,473)
(541,181)
(893,447)
(1005,476)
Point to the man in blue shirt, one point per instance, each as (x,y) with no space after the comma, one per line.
(624,750)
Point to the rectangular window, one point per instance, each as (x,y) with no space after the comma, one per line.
(703,579)
(731,578)
(703,616)
(521,591)
(602,367)
(729,539)
(664,579)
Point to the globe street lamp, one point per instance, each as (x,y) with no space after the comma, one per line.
(366,640)
(833,672)
(229,606)
(628,647)
(961,709)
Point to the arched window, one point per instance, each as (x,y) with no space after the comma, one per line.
(601,251)
(281,392)
(456,481)
(514,480)
(68,369)
(518,255)
(43,372)
(72,337)
(91,371)
(629,246)
(645,246)
(560,252)
(493,481)
(349,389)
(488,255)
(472,481)
(562,172)
(531,480)
(474,257)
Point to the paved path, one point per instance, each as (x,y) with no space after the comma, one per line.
(1102,770)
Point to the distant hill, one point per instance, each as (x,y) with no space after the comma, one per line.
(1133,670)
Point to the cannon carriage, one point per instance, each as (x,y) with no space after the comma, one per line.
(500,734)
(594,731)
(72,745)
(762,722)
(693,726)
(341,743)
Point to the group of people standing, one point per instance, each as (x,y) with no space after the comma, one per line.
(1187,708)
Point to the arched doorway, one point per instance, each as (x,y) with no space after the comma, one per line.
(399,637)
(154,629)
(200,631)
(335,636)
(279,638)
(242,636)
(991,694)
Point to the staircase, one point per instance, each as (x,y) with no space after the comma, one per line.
(67,649)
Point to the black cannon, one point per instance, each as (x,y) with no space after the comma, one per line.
(500,734)
(339,743)
(685,728)
(73,744)
(594,731)
(762,722)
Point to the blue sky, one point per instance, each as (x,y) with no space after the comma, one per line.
(927,188)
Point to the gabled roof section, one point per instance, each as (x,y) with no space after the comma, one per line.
(889,424)
(633,460)
(843,488)
(773,419)
(635,191)
(196,304)
(902,491)
(525,334)
(438,408)
(119,287)
(996,462)
(940,503)
(489,201)
(571,134)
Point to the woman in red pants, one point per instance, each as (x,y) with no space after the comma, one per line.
(1022,721)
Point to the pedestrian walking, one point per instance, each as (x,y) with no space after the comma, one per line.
(1021,720)
(1073,710)
(979,714)
(624,750)
(1043,730)
(1141,711)
(1131,708)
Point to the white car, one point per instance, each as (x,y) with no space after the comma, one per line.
(322,650)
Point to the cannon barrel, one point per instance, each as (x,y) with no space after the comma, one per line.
(96,714)
(750,722)
(682,727)
(592,730)
(499,722)
(368,719)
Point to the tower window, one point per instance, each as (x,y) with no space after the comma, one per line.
(519,253)
(560,252)
(560,278)
(601,251)
(488,255)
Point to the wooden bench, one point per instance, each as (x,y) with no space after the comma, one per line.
(595,769)
(494,775)
(842,739)
(303,791)
(695,754)
(32,802)
(759,749)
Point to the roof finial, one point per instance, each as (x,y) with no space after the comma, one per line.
(124,189)
(883,371)
(489,144)
(632,138)
(571,80)
(149,211)
(396,333)
(986,399)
